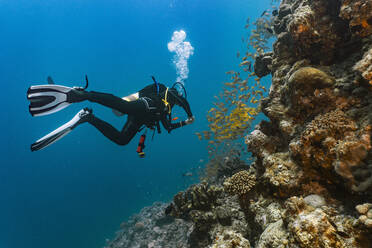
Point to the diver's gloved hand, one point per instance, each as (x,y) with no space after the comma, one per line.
(77,94)
(190,120)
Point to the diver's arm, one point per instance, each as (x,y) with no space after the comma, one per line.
(182,102)
(170,126)
(185,105)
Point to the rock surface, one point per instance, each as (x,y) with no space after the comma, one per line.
(151,228)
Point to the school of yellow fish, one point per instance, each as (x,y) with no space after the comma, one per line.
(238,102)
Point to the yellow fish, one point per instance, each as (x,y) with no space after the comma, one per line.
(246,62)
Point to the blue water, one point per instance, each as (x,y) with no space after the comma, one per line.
(76,192)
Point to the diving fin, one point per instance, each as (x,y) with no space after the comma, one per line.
(50,98)
(81,117)
(47,99)
(50,80)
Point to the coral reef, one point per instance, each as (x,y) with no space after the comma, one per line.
(317,144)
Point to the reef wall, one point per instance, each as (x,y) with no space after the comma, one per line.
(311,182)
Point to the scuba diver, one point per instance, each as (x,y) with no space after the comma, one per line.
(145,108)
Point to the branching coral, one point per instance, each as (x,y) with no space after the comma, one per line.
(240,183)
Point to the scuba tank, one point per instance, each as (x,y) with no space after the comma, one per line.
(141,143)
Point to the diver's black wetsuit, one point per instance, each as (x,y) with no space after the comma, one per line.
(148,110)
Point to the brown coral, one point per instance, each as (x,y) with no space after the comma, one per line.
(314,29)
(240,183)
(310,77)
(333,142)
(320,226)
(364,66)
(359,15)
(282,173)
(310,93)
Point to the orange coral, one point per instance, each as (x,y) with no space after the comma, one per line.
(302,28)
(364,24)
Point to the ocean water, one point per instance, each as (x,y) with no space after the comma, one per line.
(76,192)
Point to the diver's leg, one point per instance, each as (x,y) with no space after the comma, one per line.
(121,138)
(109,100)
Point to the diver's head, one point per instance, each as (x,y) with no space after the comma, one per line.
(178,89)
(174,92)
